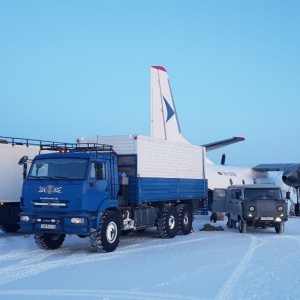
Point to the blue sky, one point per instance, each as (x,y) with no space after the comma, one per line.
(80,68)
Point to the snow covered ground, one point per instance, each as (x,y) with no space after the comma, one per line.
(205,265)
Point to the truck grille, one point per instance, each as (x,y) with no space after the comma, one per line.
(50,204)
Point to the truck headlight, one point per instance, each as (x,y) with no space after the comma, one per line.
(77,220)
(24,218)
(252,208)
(280,208)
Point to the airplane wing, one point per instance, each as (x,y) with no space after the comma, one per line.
(223,143)
(271,167)
(290,173)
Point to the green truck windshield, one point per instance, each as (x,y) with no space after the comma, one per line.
(263,194)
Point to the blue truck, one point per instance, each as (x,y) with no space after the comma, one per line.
(104,190)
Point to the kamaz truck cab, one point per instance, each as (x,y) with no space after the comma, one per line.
(64,192)
(255,205)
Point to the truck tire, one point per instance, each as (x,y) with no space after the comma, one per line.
(10,228)
(185,219)
(279,227)
(49,241)
(167,225)
(242,226)
(106,238)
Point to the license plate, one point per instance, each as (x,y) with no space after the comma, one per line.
(267,218)
(48,226)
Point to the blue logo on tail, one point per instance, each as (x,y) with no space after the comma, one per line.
(170,111)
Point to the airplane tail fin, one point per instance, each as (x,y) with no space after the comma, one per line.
(164,120)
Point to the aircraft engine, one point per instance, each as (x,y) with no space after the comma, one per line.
(291,175)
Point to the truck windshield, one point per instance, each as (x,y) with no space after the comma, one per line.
(58,168)
(263,194)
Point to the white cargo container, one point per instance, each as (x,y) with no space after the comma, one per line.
(157,158)
(11,178)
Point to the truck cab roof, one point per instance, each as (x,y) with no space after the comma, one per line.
(86,155)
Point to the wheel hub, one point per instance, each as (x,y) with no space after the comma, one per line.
(171,222)
(111,232)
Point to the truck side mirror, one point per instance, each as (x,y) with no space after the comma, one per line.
(23,160)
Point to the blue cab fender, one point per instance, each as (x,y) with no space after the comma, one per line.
(107,204)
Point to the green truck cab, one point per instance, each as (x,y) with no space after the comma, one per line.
(252,205)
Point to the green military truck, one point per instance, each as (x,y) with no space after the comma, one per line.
(252,205)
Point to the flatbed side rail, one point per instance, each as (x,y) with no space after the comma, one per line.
(22,141)
(56,146)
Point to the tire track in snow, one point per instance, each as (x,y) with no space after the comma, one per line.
(227,289)
(104,294)
(35,265)
(27,254)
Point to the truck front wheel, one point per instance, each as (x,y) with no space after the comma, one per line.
(106,238)
(185,218)
(49,241)
(167,225)
(279,227)
(242,226)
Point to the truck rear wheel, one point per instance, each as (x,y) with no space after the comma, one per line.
(106,238)
(242,226)
(10,228)
(185,219)
(49,241)
(167,225)
(279,227)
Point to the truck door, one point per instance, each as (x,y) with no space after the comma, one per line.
(98,185)
(219,203)
(236,198)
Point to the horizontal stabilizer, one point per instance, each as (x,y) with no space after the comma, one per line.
(223,143)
